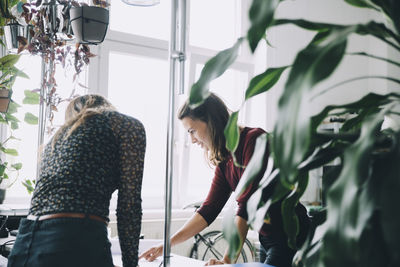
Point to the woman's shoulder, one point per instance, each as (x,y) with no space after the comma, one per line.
(122,118)
(253,132)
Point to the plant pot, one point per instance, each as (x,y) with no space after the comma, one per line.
(2,195)
(12,34)
(89,23)
(57,20)
(5,97)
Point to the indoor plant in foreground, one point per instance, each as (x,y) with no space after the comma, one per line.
(361,220)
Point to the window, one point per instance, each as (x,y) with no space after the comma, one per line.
(27,135)
(132,70)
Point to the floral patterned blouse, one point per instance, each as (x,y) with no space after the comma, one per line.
(80,174)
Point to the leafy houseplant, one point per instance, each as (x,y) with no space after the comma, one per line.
(8,74)
(359,225)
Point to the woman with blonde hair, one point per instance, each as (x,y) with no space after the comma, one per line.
(97,151)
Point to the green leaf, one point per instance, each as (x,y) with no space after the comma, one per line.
(231,234)
(261,15)
(2,169)
(362,3)
(293,129)
(289,217)
(263,82)
(214,68)
(308,25)
(231,132)
(9,60)
(32,98)
(350,206)
(31,119)
(29,185)
(13,107)
(14,125)
(389,168)
(392,10)
(11,118)
(17,166)
(10,151)
(254,167)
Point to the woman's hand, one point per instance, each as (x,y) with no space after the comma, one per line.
(152,253)
(214,262)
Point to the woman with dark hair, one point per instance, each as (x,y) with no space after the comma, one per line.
(206,124)
(97,151)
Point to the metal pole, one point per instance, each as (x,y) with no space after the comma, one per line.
(177,7)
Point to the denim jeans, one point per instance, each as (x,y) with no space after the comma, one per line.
(61,242)
(275,251)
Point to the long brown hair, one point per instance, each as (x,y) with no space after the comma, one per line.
(215,114)
(80,109)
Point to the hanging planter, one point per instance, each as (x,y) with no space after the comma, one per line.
(57,20)
(17,35)
(89,23)
(5,98)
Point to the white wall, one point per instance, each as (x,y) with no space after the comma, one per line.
(287,40)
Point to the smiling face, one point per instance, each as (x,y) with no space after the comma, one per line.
(198,132)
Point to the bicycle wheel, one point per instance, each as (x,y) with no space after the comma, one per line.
(213,245)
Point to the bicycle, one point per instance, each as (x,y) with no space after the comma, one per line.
(213,245)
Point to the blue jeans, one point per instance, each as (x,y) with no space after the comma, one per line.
(275,251)
(61,242)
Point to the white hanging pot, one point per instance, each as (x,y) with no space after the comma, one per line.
(89,23)
(14,33)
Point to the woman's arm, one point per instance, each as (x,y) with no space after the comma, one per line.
(131,137)
(193,226)
(243,228)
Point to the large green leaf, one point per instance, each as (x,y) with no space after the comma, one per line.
(231,132)
(292,131)
(261,15)
(231,234)
(388,171)
(263,82)
(214,68)
(369,101)
(350,206)
(392,9)
(380,31)
(289,217)
(254,167)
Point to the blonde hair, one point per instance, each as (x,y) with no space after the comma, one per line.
(78,111)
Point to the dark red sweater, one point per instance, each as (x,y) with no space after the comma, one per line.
(226,179)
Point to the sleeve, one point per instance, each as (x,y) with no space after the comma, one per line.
(217,196)
(132,141)
(248,151)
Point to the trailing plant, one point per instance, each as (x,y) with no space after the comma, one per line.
(358,227)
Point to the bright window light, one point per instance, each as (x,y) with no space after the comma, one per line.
(138,86)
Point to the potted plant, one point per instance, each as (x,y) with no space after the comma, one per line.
(8,74)
(17,29)
(358,227)
(90,22)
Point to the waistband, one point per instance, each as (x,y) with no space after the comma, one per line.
(67,215)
